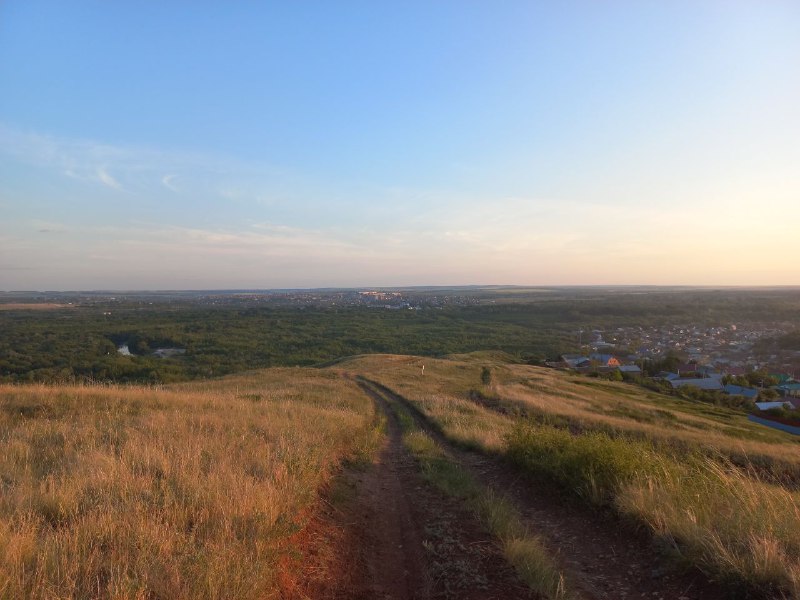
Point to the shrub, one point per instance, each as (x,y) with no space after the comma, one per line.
(594,465)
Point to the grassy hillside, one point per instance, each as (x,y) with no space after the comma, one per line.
(185,492)
(196,489)
(717,489)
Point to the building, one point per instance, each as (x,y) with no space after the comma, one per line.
(708,383)
(575,361)
(604,360)
(738,390)
(789,390)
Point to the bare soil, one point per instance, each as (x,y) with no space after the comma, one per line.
(384,533)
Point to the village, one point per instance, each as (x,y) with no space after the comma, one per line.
(736,361)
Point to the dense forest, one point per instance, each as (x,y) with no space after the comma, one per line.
(81,341)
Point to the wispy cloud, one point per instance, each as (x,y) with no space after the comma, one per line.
(171,175)
(167,182)
(119,167)
(107,179)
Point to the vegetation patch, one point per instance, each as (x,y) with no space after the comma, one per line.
(719,491)
(711,512)
(190,492)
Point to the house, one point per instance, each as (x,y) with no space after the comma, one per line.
(737,371)
(604,360)
(575,361)
(789,390)
(707,371)
(774,404)
(686,369)
(738,390)
(708,383)
(630,369)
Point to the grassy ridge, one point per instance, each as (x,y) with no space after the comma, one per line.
(593,442)
(189,492)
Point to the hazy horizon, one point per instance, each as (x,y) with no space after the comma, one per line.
(352,145)
(465,287)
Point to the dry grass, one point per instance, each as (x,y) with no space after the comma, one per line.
(665,462)
(579,402)
(187,492)
(742,528)
(440,394)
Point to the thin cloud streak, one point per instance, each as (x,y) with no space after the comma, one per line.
(262,234)
(108,180)
(167,180)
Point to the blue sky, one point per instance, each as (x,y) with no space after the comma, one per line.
(228,145)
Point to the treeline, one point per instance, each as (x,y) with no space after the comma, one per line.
(82,343)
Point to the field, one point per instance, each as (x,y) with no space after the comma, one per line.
(186,492)
(716,489)
(475,477)
(32,306)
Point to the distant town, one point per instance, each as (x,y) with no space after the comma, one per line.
(736,360)
(376,298)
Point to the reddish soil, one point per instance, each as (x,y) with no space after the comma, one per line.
(601,557)
(386,534)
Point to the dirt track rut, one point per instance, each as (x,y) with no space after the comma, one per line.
(396,537)
(601,557)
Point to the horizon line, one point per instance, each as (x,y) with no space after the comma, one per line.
(408,287)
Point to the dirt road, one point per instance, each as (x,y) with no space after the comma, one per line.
(387,534)
(601,557)
(398,538)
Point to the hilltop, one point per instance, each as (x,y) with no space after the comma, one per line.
(475,475)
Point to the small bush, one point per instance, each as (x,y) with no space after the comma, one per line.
(594,465)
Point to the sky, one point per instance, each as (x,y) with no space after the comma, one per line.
(254,145)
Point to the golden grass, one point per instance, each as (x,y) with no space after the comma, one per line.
(442,394)
(186,492)
(665,462)
(744,529)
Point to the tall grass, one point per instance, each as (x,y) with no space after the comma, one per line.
(700,477)
(594,465)
(719,518)
(190,492)
(577,403)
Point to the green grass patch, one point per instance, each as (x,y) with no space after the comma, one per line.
(723,519)
(594,465)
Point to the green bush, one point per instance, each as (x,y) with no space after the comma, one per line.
(593,464)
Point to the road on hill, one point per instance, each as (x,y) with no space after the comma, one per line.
(386,533)
(600,557)
(396,537)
